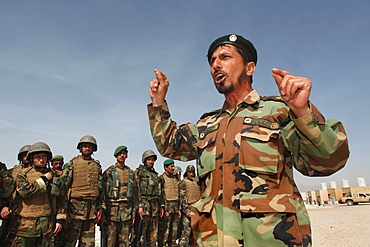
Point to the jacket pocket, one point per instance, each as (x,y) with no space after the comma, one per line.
(206,151)
(261,148)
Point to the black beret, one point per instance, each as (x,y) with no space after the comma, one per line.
(236,40)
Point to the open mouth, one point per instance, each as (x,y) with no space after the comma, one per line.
(219,77)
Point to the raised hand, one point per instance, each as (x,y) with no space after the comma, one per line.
(295,91)
(158,88)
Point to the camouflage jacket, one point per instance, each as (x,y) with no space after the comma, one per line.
(245,156)
(120,193)
(171,206)
(7,185)
(83,208)
(30,226)
(149,189)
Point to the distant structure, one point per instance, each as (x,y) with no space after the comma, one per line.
(333,185)
(345,183)
(333,194)
(324,186)
(361,182)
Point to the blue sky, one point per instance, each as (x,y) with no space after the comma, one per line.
(71,68)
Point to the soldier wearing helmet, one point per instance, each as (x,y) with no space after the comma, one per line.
(167,234)
(22,160)
(189,194)
(6,189)
(22,163)
(41,213)
(177,172)
(57,163)
(120,194)
(83,178)
(150,204)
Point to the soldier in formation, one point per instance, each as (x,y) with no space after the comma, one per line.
(57,163)
(84,181)
(119,193)
(150,204)
(168,225)
(6,189)
(41,211)
(81,197)
(189,193)
(10,205)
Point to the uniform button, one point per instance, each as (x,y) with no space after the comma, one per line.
(247,120)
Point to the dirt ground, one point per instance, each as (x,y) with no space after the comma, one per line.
(333,226)
(340,225)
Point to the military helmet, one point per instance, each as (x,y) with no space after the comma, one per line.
(23,149)
(39,147)
(189,168)
(88,139)
(57,157)
(147,154)
(120,149)
(177,170)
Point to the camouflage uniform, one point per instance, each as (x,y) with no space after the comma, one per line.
(119,193)
(15,172)
(151,200)
(14,201)
(168,226)
(62,237)
(245,158)
(6,185)
(189,193)
(34,224)
(83,179)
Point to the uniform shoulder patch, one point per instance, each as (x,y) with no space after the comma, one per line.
(272,98)
(211,113)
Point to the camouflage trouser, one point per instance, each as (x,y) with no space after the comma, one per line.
(150,230)
(186,234)
(61,238)
(224,227)
(42,241)
(83,231)
(118,233)
(167,230)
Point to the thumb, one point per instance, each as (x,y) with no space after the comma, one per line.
(277,75)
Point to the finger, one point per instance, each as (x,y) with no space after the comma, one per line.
(160,75)
(280,72)
(154,85)
(279,76)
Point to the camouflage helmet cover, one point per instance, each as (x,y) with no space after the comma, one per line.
(39,147)
(177,170)
(23,149)
(189,168)
(147,154)
(88,139)
(57,157)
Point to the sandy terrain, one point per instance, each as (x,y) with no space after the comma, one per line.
(333,226)
(340,225)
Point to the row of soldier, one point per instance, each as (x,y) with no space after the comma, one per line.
(60,205)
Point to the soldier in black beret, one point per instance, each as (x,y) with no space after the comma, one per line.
(246,150)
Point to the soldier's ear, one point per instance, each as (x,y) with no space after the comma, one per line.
(250,67)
